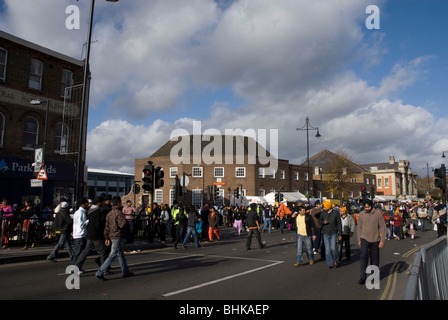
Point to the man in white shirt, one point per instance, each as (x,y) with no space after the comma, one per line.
(80,223)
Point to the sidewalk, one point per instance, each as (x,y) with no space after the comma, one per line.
(15,254)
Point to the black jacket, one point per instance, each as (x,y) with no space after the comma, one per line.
(97,222)
(334,224)
(310,225)
(63,223)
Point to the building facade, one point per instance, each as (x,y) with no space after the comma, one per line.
(111,182)
(243,169)
(394,179)
(38,109)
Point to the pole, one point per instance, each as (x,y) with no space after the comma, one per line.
(79,186)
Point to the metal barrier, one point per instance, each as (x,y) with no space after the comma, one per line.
(429,273)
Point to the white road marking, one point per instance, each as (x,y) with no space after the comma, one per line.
(273,263)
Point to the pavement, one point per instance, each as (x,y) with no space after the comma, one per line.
(15,254)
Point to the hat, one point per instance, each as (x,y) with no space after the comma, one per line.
(327,204)
(64,205)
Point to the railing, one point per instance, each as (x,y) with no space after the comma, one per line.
(40,230)
(429,273)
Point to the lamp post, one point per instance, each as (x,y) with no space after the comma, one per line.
(44,146)
(79,185)
(308,127)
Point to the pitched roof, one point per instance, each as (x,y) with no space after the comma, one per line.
(326,157)
(241,145)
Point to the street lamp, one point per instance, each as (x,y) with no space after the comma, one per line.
(84,110)
(38,102)
(308,127)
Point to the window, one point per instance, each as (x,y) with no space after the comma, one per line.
(261,173)
(3,58)
(173,172)
(197,172)
(219,172)
(30,133)
(380,183)
(272,175)
(240,172)
(36,69)
(196,197)
(61,138)
(261,192)
(306,176)
(2,128)
(296,175)
(158,196)
(386,183)
(281,174)
(67,81)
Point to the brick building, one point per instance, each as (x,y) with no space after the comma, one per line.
(254,176)
(29,72)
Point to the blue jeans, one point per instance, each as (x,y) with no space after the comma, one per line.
(300,242)
(64,240)
(191,230)
(267,222)
(331,248)
(116,250)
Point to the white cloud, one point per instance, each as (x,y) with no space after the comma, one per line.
(287,59)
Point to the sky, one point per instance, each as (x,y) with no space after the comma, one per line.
(162,65)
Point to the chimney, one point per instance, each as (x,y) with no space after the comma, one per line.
(392,160)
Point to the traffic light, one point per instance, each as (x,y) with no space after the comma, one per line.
(363,192)
(372,193)
(179,188)
(215,193)
(158,176)
(148,178)
(440,175)
(276,197)
(236,193)
(280,197)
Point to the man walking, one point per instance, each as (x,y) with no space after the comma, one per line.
(80,223)
(254,226)
(113,233)
(330,220)
(306,230)
(62,227)
(95,234)
(371,237)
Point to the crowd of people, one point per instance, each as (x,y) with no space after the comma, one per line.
(323,229)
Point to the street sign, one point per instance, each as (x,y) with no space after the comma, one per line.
(36,183)
(38,159)
(219,183)
(42,175)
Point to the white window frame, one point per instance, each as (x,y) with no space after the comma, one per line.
(296,175)
(217,174)
(261,173)
(281,174)
(158,196)
(197,172)
(238,172)
(196,197)
(173,172)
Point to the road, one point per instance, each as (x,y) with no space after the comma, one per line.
(221,270)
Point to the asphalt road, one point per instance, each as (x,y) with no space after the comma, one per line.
(221,270)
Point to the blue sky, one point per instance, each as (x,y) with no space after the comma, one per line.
(159,65)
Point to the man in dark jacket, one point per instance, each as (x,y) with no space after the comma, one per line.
(330,220)
(95,234)
(254,226)
(113,233)
(62,227)
(305,232)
